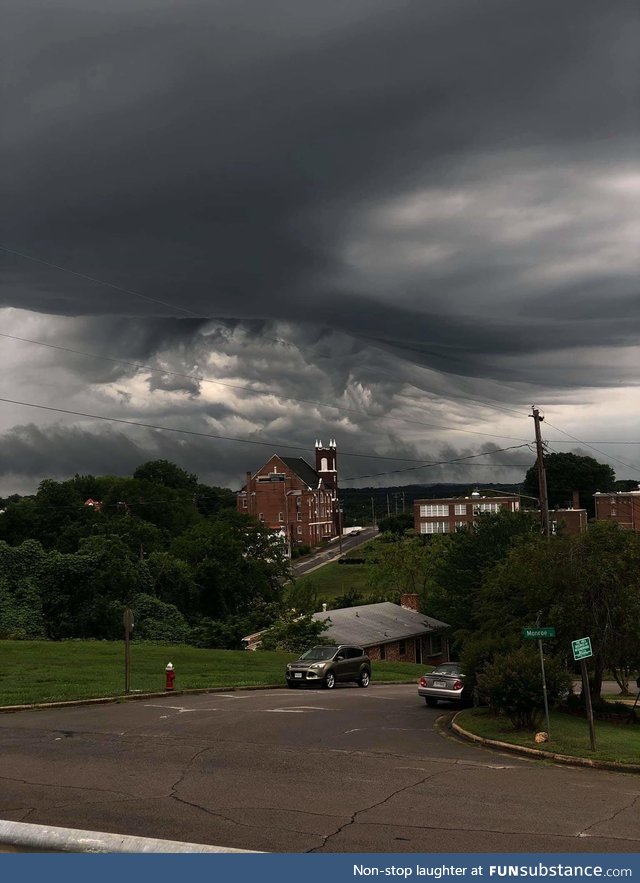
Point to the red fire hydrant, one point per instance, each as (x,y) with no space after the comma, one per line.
(171,676)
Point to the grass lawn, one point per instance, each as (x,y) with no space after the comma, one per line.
(569,735)
(335,579)
(47,671)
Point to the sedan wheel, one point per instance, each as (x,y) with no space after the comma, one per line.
(291,685)
(364,679)
(330,680)
(431,702)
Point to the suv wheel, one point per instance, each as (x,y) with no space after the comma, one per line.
(329,680)
(364,679)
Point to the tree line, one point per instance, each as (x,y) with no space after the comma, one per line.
(176,551)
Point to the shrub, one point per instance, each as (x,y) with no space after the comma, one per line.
(513,684)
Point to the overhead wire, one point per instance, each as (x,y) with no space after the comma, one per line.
(200,379)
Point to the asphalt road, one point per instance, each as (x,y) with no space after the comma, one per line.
(349,770)
(332,552)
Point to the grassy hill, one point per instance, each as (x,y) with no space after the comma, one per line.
(54,671)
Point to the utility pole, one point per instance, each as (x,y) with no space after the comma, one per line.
(388,508)
(373,513)
(542,476)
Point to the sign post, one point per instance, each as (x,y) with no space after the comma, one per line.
(127,622)
(540,633)
(581,652)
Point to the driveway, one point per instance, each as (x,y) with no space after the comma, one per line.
(350,770)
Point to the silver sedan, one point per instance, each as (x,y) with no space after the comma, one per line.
(446,682)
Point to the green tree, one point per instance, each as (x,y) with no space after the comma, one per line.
(587,585)
(567,473)
(21,614)
(464,560)
(166,474)
(294,633)
(397,524)
(157,621)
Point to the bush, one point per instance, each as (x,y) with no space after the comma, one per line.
(513,684)
(157,621)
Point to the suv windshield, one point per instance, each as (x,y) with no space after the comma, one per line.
(319,653)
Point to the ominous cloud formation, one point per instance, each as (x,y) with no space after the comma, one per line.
(395,224)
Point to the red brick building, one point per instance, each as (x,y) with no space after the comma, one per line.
(289,495)
(567,521)
(623,507)
(449,514)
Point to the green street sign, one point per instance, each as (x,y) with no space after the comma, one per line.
(581,648)
(548,632)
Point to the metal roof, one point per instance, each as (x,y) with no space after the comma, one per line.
(376,624)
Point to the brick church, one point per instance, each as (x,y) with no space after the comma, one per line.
(293,498)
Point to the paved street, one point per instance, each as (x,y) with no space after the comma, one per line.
(332,552)
(304,771)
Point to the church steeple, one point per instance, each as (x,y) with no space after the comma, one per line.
(327,464)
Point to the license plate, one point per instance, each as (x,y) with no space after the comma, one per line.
(298,674)
(439,683)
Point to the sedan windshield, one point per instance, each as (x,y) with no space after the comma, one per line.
(319,653)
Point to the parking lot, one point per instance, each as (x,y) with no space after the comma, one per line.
(349,770)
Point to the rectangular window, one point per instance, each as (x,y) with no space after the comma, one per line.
(299,516)
(434,527)
(299,529)
(435,642)
(461,509)
(433,509)
(402,648)
(480,508)
(383,651)
(460,525)
(244,502)
(280,516)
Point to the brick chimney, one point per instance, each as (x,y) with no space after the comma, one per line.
(410,601)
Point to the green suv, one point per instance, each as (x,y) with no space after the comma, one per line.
(326,666)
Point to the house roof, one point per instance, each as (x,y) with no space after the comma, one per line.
(376,624)
(303,470)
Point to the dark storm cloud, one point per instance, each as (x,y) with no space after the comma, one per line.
(214,155)
(318,203)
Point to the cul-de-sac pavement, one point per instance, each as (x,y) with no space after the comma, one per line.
(349,770)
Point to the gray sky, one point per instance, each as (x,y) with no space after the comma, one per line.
(397,224)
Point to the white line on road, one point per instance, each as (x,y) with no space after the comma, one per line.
(179,708)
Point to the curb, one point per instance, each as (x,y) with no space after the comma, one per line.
(536,753)
(43,838)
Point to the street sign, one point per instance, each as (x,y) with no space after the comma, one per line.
(581,648)
(548,632)
(127,620)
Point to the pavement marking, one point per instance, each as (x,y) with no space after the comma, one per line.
(179,708)
(298,709)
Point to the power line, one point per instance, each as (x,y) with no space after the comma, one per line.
(191,313)
(437,463)
(217,437)
(586,444)
(199,379)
